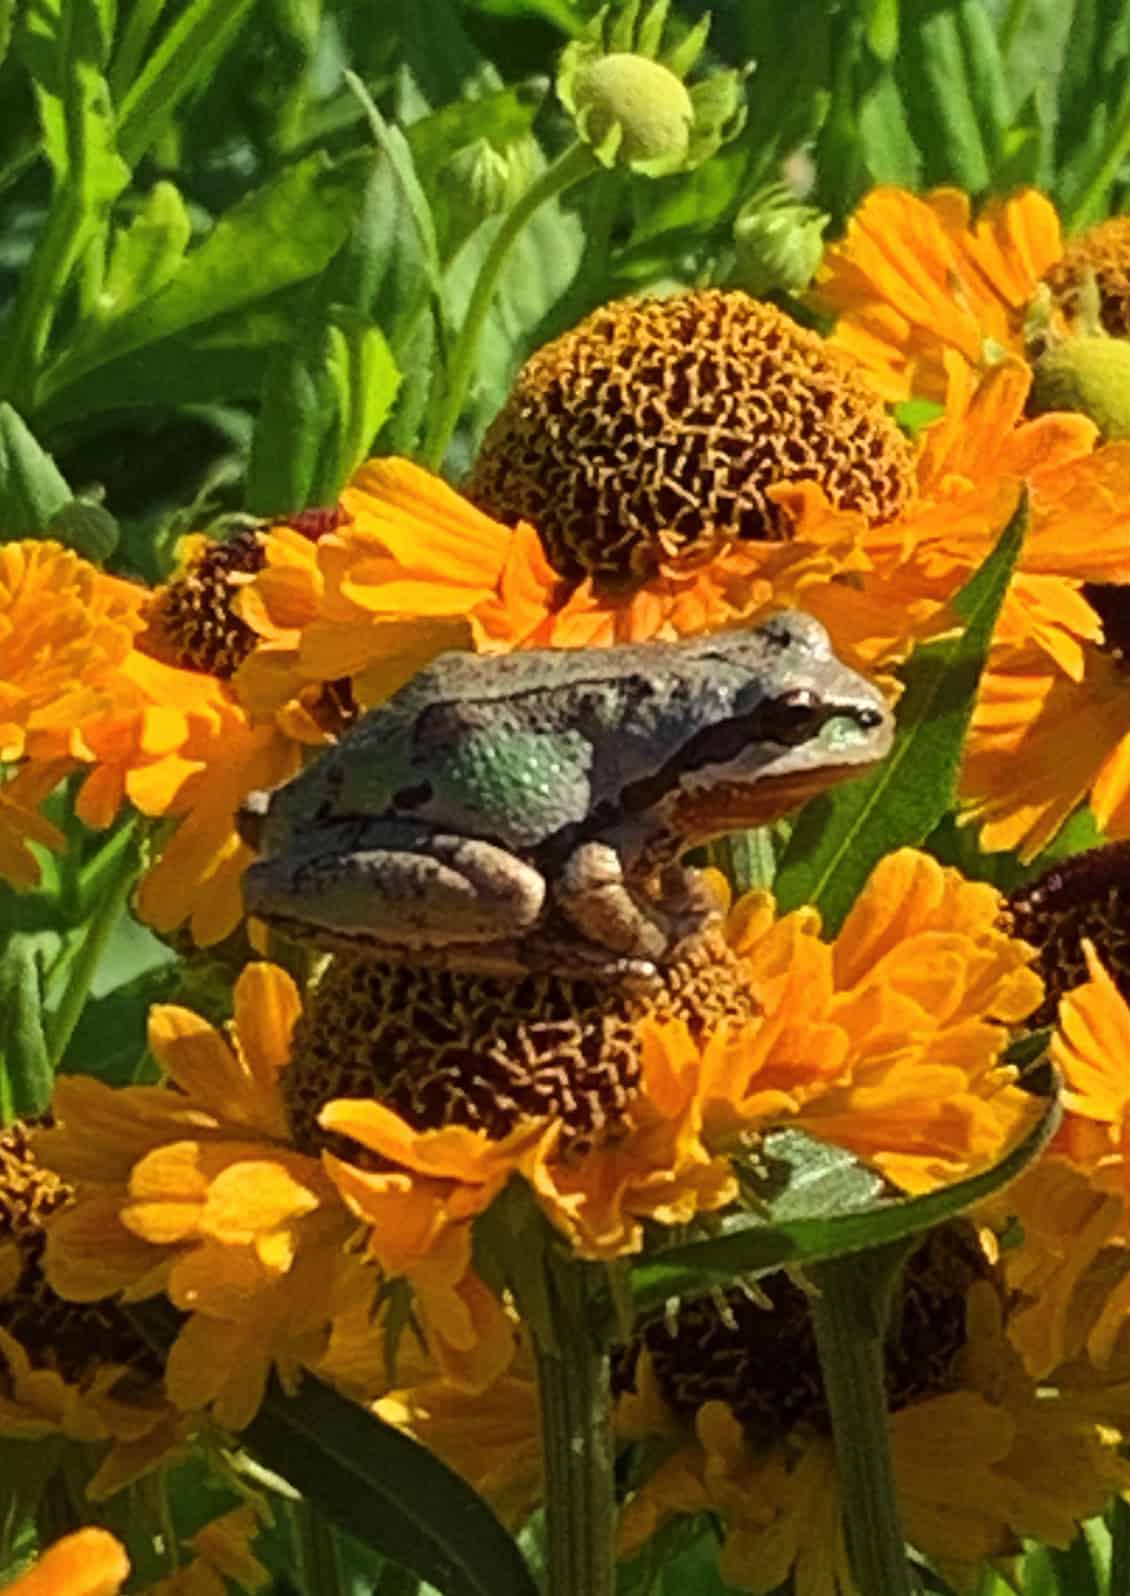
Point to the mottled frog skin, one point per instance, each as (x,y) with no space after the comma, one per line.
(528,811)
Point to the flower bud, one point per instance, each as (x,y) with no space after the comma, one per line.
(780,241)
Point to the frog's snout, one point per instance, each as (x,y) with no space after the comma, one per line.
(251,817)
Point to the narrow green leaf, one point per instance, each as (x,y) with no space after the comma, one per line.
(940,95)
(32,488)
(394,146)
(26,1076)
(881,28)
(185,57)
(821,1215)
(838,839)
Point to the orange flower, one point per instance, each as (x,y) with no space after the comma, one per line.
(914,279)
(420,570)
(887,1041)
(197,1192)
(89,1562)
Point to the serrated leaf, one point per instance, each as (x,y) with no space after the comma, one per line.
(279,236)
(826,1209)
(32,488)
(838,839)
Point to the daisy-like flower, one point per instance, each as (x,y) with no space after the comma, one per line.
(981,1457)
(80,1372)
(199,1192)
(88,1562)
(65,627)
(915,277)
(131,692)
(627,490)
(1074,1208)
(390,1114)
(621,1109)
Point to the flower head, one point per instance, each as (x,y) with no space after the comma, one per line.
(628,97)
(738,1397)
(82,1372)
(649,436)
(915,277)
(197,1192)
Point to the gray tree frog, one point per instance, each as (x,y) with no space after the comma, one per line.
(528,810)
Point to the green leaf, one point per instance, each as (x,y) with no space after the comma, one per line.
(322,405)
(32,488)
(277,238)
(373,1481)
(26,1076)
(146,254)
(838,839)
(64,49)
(953,95)
(388,1491)
(828,1204)
(87,527)
(364,380)
(501,118)
(186,56)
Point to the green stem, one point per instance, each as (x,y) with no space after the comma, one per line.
(577,1446)
(747,859)
(848,1319)
(318,1561)
(576,163)
(123,864)
(1118,1521)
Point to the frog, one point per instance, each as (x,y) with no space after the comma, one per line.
(509,813)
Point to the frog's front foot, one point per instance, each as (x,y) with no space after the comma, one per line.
(593,895)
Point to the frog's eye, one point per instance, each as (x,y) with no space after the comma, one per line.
(793,718)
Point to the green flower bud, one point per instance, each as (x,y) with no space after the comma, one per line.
(630,103)
(1090,375)
(779,241)
(634,109)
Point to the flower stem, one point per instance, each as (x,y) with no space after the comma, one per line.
(848,1316)
(122,858)
(577,162)
(577,1445)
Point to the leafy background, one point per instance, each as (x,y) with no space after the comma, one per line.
(225,279)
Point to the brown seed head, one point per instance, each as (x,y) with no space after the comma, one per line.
(446,1048)
(71,1338)
(649,434)
(1105,251)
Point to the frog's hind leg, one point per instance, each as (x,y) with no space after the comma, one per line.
(450,891)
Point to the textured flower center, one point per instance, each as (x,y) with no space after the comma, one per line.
(1087,896)
(650,435)
(194,615)
(762,1361)
(69,1337)
(447,1048)
(1103,250)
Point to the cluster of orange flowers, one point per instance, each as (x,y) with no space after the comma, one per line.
(888,1041)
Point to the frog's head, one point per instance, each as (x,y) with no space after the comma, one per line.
(800,721)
